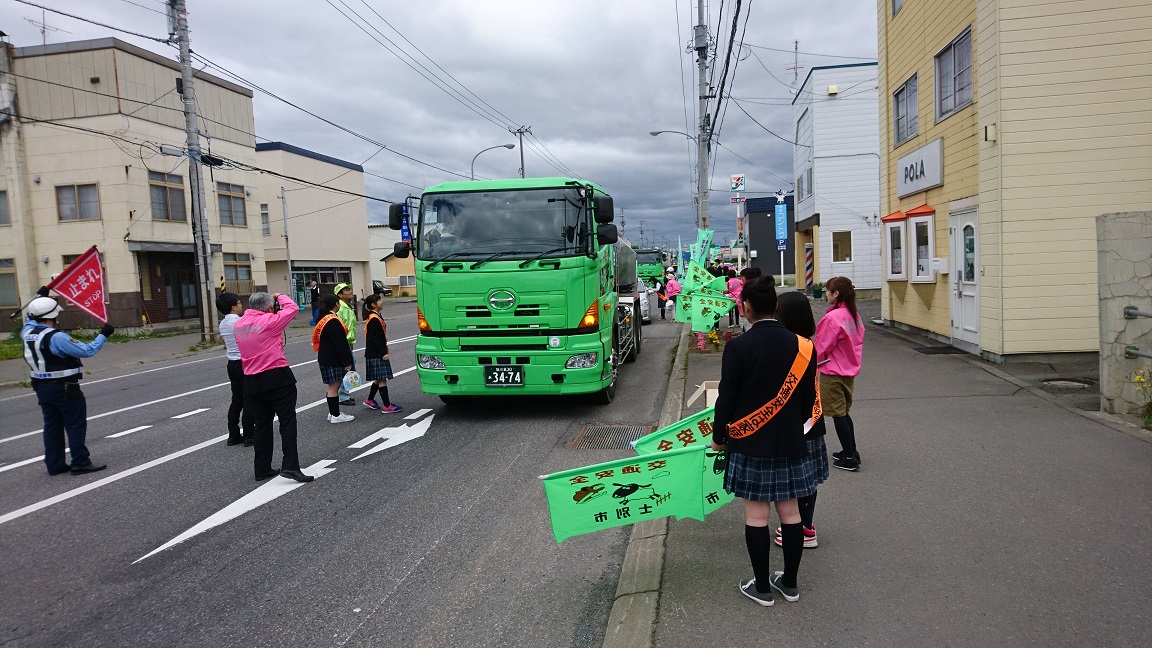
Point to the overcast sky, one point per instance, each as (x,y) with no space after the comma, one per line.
(590,77)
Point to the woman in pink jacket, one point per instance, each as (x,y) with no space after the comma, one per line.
(839,345)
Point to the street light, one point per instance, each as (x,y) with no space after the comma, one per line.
(507,146)
(701,178)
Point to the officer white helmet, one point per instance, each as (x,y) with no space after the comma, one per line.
(44,308)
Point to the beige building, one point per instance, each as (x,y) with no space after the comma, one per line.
(326,227)
(80,144)
(397,274)
(1006,127)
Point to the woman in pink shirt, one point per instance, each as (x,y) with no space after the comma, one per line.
(839,346)
(735,286)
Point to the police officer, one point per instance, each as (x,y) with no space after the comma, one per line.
(54,358)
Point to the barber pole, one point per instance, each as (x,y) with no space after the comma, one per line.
(807,265)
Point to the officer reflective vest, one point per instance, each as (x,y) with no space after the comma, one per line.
(45,364)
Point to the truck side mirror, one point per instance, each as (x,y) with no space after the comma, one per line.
(395,216)
(605,211)
(402,249)
(606,233)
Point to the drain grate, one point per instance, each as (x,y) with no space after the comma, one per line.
(609,437)
(940,350)
(1067,383)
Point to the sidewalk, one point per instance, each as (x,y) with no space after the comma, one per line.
(987,511)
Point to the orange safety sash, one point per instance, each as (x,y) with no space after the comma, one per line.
(382,324)
(754,421)
(320,327)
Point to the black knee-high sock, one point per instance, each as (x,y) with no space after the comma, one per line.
(384,396)
(846,433)
(807,508)
(792,541)
(372,392)
(333,405)
(759,541)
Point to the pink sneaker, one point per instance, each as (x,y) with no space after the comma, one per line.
(809,537)
(391,408)
(371,404)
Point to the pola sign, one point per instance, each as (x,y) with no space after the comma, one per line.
(921,169)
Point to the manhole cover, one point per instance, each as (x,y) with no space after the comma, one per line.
(1067,383)
(940,350)
(609,437)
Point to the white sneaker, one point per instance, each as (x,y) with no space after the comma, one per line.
(342,418)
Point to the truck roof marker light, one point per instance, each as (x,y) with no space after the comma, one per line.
(591,317)
(420,321)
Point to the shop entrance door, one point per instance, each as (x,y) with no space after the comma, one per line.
(180,292)
(964,279)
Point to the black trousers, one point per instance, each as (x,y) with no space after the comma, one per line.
(236,407)
(65,413)
(281,402)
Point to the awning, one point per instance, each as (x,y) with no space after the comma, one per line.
(166,246)
(894,217)
(922,210)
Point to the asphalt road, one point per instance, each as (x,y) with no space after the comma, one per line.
(441,538)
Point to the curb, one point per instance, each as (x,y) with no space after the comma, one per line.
(632,620)
(1102,418)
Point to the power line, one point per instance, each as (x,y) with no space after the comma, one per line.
(787,51)
(125,31)
(162,13)
(765,127)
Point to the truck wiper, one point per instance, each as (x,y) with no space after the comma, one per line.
(495,256)
(450,256)
(524,264)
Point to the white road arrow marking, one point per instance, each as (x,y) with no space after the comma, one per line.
(417,414)
(393,436)
(275,487)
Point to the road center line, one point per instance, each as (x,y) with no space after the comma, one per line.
(32,508)
(127,432)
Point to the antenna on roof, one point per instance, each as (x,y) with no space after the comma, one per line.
(45,27)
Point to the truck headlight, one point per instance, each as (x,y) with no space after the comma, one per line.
(583,361)
(429,362)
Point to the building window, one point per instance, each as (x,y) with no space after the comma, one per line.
(808,186)
(800,187)
(923,246)
(841,246)
(9,296)
(5,218)
(231,201)
(407,281)
(954,76)
(167,196)
(237,267)
(895,255)
(265,224)
(969,254)
(905,106)
(78,202)
(896,4)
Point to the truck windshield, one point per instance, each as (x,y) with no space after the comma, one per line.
(647,257)
(519,224)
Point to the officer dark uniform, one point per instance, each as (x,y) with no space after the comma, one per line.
(54,358)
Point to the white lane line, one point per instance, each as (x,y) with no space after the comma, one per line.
(417,414)
(127,432)
(276,487)
(189,393)
(32,508)
(21,463)
(195,411)
(395,436)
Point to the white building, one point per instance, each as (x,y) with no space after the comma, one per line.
(836,161)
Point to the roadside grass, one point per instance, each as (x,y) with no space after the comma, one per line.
(11,346)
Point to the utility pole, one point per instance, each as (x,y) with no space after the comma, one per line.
(200,235)
(287,250)
(519,132)
(703,140)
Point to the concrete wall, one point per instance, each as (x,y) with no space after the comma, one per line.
(1124,243)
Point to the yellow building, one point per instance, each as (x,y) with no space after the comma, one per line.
(1006,127)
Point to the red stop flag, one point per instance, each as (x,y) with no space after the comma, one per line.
(82,283)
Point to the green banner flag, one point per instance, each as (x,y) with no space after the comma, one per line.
(683,308)
(707,309)
(693,431)
(704,244)
(695,276)
(625,491)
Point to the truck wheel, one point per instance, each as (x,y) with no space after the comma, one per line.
(608,394)
(635,350)
(454,400)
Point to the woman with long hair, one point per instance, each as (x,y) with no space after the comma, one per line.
(840,345)
(377,366)
(795,313)
(767,391)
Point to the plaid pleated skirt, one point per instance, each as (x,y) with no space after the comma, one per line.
(818,459)
(330,374)
(377,369)
(768,479)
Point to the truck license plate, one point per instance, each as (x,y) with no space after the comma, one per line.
(504,376)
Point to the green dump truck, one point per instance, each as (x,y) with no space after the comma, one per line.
(650,265)
(523,287)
